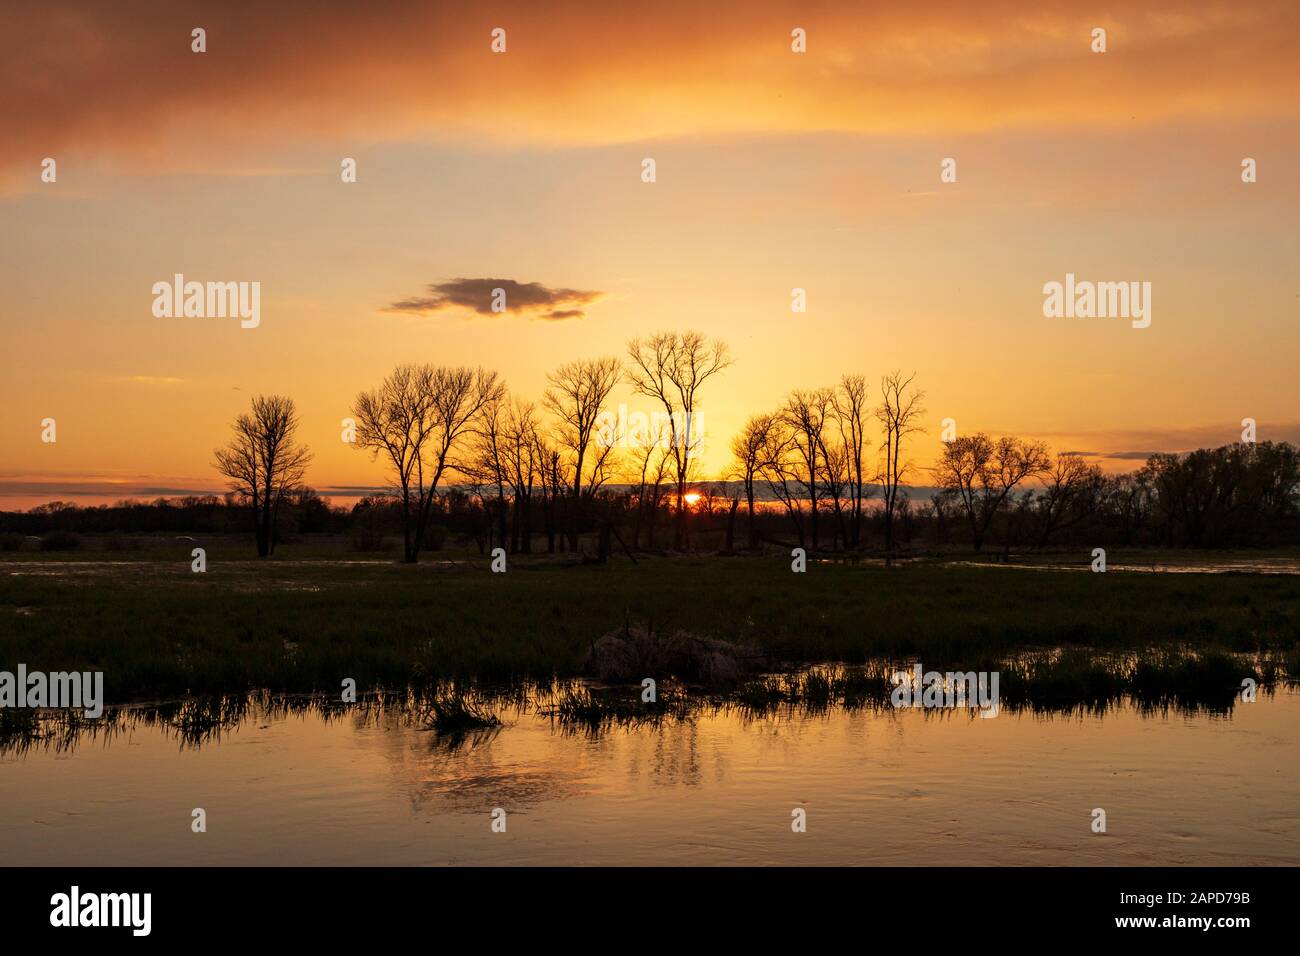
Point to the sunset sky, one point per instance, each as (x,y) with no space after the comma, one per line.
(775,170)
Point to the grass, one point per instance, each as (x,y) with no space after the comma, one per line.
(202,718)
(1159,680)
(1042,683)
(456,712)
(158,631)
(596,708)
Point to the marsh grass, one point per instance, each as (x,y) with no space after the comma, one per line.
(452,645)
(593,708)
(200,719)
(816,689)
(19,724)
(1290,662)
(160,632)
(1046,683)
(456,712)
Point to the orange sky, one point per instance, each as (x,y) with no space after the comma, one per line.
(775,170)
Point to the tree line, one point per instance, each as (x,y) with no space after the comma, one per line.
(827,468)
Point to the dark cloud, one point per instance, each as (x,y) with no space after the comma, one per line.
(1134,455)
(521,298)
(355,491)
(1139,444)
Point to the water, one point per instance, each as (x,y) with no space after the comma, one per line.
(883,788)
(1286,566)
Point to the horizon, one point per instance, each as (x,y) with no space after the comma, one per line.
(346,498)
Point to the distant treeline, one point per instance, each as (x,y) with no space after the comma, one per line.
(193,514)
(1244,494)
(1233,496)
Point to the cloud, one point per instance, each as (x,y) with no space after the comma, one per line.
(98,81)
(1200,436)
(1139,444)
(162,380)
(531,299)
(1136,455)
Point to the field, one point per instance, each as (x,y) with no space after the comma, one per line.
(312,616)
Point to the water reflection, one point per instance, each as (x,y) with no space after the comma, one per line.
(295,782)
(1061,681)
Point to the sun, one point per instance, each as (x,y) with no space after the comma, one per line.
(691,498)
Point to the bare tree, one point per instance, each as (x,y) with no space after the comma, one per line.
(523,469)
(836,484)
(900,406)
(419,417)
(849,401)
(1072,491)
(1130,498)
(747,448)
(553,487)
(671,367)
(576,397)
(487,466)
(651,463)
(982,473)
(265,463)
(807,414)
(780,467)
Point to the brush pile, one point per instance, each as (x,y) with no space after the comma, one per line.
(632,653)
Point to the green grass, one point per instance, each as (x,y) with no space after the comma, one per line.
(159,631)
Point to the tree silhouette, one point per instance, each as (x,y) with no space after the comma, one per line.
(418,418)
(265,463)
(671,367)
